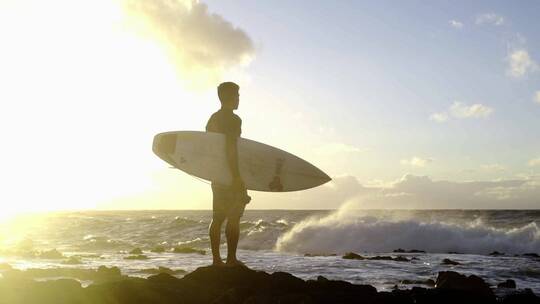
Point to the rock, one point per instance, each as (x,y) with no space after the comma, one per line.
(455,281)
(188,250)
(496,253)
(352,256)
(531,255)
(158,249)
(136,257)
(162,270)
(51,254)
(136,251)
(507,284)
(104,271)
(400,250)
(72,261)
(389,258)
(449,262)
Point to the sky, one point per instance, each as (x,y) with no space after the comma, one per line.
(403,104)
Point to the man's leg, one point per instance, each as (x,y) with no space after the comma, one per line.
(232,232)
(215,239)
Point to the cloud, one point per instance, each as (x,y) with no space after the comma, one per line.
(439,117)
(536,97)
(460,110)
(534,162)
(201,45)
(493,167)
(456,24)
(416,161)
(336,148)
(490,18)
(412,192)
(520,63)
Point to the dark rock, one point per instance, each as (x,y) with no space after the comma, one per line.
(454,281)
(496,253)
(51,254)
(507,284)
(158,249)
(188,250)
(104,271)
(399,250)
(353,256)
(389,258)
(72,261)
(449,262)
(136,257)
(162,270)
(136,251)
(531,255)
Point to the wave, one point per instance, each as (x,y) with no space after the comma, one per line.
(344,231)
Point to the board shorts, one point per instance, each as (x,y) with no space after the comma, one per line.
(227,202)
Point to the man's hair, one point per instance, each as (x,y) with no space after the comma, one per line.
(225,89)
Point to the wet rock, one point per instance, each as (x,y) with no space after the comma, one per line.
(389,258)
(104,271)
(136,251)
(158,249)
(452,280)
(449,262)
(507,284)
(51,254)
(400,250)
(162,270)
(72,261)
(188,250)
(352,256)
(531,255)
(136,257)
(496,253)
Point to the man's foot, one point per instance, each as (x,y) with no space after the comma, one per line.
(235,263)
(218,263)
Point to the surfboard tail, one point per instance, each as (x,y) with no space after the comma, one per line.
(164,146)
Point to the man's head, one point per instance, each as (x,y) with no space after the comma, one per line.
(229,95)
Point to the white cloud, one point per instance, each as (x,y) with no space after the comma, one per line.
(537,97)
(416,161)
(413,192)
(456,24)
(520,63)
(534,162)
(490,18)
(439,117)
(459,110)
(200,43)
(336,148)
(493,167)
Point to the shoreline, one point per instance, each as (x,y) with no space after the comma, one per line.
(211,284)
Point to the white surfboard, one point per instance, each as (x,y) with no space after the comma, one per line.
(262,167)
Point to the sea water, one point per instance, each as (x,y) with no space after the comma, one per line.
(306,243)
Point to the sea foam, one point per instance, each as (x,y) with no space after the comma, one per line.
(346,230)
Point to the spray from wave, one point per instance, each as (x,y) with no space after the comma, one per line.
(349,229)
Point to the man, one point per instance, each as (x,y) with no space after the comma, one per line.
(229,201)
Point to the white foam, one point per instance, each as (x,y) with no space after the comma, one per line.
(344,231)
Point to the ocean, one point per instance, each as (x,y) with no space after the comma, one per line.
(306,243)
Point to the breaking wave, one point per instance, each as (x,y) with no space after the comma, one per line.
(344,231)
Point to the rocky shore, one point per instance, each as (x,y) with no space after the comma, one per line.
(236,285)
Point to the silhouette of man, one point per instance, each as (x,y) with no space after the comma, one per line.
(229,201)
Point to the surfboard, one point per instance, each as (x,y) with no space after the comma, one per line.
(262,167)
